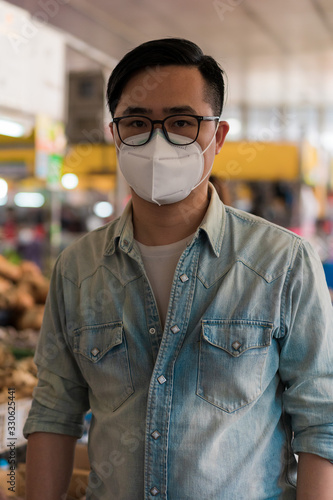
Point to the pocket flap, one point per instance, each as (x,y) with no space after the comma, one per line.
(94,342)
(237,336)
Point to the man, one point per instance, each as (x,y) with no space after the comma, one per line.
(200,336)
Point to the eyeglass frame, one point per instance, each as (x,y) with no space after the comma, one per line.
(199,119)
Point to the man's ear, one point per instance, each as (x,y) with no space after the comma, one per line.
(111,129)
(221,134)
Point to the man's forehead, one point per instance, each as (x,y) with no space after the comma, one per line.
(155,75)
(174,89)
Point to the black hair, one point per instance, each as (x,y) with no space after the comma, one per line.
(165,52)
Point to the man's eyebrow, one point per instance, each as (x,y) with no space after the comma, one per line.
(180,109)
(136,110)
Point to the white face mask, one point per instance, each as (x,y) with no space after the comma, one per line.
(161,172)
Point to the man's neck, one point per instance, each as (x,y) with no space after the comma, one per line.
(162,225)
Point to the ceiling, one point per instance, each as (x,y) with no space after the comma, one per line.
(274,52)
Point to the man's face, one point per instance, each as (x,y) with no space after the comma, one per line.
(160,92)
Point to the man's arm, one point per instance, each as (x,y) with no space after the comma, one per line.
(314,478)
(50,460)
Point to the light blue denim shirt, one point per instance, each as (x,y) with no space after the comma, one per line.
(213,407)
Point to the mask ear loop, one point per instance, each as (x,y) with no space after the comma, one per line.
(202,153)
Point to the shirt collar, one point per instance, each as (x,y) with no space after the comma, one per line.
(123,234)
(212,224)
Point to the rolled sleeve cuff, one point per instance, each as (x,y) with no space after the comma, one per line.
(43,419)
(316,440)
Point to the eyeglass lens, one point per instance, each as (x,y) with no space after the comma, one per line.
(136,130)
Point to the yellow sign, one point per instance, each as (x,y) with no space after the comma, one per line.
(257,161)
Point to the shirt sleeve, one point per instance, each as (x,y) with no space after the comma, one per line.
(60,399)
(306,358)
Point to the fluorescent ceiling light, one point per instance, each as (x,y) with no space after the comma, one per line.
(29,200)
(11,128)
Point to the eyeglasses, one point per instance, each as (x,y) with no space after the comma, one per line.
(181,130)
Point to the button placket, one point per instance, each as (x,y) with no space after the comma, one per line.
(153,325)
(160,398)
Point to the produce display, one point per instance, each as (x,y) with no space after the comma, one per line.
(23,291)
(20,374)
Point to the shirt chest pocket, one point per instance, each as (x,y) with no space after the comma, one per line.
(101,353)
(231,361)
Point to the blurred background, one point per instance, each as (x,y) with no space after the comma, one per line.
(58,172)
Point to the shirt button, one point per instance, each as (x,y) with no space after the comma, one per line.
(175,329)
(154,491)
(126,243)
(183,278)
(152,331)
(236,345)
(95,351)
(161,379)
(156,434)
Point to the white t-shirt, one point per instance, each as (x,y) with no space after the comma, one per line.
(160,263)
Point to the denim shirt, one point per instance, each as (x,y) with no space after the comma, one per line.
(213,407)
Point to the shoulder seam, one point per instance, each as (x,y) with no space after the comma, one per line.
(254,219)
(298,244)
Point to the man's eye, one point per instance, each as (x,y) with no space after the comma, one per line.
(137,124)
(181,123)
